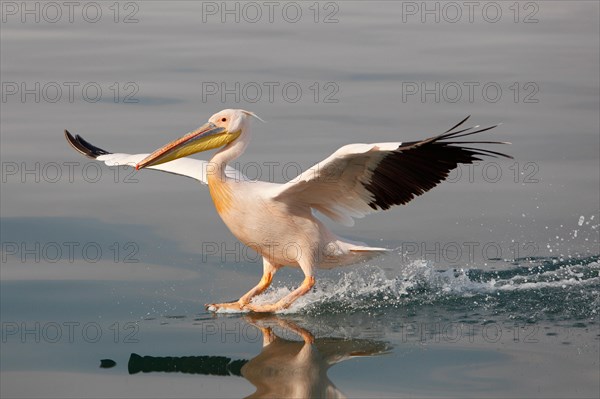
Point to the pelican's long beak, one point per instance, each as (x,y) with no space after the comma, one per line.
(206,137)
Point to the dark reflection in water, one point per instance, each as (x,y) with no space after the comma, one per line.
(284,367)
(205,365)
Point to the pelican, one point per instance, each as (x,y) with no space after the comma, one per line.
(278,220)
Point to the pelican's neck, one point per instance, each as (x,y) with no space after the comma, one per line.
(228,153)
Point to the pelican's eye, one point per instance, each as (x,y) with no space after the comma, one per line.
(223,119)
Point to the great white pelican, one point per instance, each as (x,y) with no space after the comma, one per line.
(278,220)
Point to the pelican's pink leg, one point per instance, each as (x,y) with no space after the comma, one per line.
(269,270)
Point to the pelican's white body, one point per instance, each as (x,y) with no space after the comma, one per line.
(285,233)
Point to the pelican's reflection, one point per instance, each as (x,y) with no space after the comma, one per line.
(293,369)
(285,368)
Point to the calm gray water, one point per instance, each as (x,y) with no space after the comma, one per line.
(492,288)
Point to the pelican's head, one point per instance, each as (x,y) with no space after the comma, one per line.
(222,128)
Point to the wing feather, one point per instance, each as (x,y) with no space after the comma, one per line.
(193,168)
(359,179)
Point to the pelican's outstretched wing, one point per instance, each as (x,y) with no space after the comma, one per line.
(194,168)
(361,178)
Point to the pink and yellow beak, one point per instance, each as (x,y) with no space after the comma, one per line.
(206,137)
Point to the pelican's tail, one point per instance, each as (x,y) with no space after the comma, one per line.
(366,253)
(345,253)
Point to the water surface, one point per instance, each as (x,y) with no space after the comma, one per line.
(492,285)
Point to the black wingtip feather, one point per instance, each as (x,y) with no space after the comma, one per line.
(458,124)
(83,147)
(416,167)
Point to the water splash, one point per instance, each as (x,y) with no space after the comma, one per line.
(529,289)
